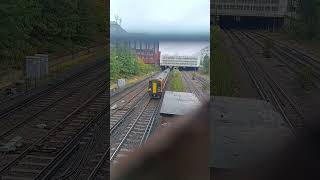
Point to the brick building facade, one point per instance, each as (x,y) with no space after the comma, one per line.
(144,46)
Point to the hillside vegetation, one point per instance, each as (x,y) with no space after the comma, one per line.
(125,64)
(307,26)
(46,26)
(220,67)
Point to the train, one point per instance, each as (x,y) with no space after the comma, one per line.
(157,84)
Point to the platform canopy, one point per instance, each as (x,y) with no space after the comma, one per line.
(179,103)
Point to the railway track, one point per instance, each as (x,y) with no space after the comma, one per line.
(115,96)
(131,129)
(126,103)
(202,80)
(193,88)
(20,102)
(101,170)
(292,58)
(136,132)
(188,87)
(47,112)
(40,160)
(97,165)
(267,87)
(302,57)
(87,161)
(57,99)
(128,93)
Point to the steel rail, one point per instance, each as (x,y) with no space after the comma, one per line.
(128,132)
(194,88)
(5,133)
(132,108)
(62,155)
(273,92)
(83,105)
(19,105)
(257,84)
(99,164)
(298,60)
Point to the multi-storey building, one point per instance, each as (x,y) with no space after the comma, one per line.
(180,61)
(144,46)
(257,12)
(146,49)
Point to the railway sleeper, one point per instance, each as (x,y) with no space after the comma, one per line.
(46,150)
(12,177)
(30,163)
(19,172)
(141,126)
(133,140)
(28,167)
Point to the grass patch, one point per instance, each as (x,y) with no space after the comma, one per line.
(124,63)
(10,76)
(221,68)
(176,83)
(132,80)
(70,63)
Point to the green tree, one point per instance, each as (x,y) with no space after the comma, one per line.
(206,64)
(311,17)
(124,64)
(114,64)
(307,25)
(221,76)
(128,62)
(46,26)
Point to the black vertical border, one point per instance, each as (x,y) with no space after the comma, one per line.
(107,45)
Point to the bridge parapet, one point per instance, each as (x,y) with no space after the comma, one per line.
(255,8)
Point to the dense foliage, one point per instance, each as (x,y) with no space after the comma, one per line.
(206,64)
(125,64)
(220,67)
(307,25)
(46,26)
(176,83)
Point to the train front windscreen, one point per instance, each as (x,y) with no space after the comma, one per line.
(154,88)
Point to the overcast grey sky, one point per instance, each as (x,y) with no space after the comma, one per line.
(163,16)
(182,48)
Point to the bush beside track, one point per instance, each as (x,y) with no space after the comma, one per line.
(176,83)
(125,64)
(221,69)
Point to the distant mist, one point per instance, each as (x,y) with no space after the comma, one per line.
(163,17)
(182,48)
(163,37)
